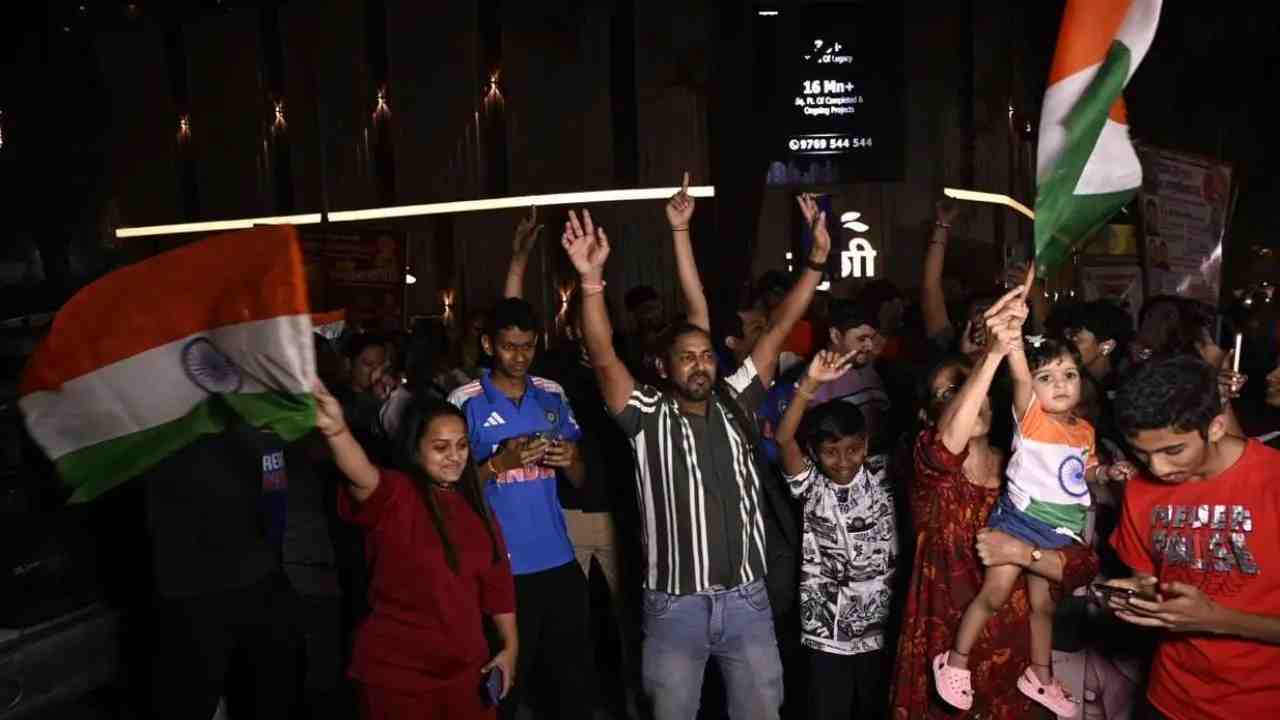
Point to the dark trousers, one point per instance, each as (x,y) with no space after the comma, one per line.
(246,634)
(845,687)
(553,615)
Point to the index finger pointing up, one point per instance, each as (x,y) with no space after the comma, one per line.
(684,184)
(1004,301)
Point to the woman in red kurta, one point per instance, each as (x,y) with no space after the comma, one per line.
(438,565)
(956,484)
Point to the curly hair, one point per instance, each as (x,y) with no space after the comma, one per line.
(1177,391)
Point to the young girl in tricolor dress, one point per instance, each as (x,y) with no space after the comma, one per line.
(1044,503)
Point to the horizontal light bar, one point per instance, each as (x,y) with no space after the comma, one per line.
(216,225)
(975,196)
(519,201)
(457,206)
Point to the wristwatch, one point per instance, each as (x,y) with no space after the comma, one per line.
(1036,555)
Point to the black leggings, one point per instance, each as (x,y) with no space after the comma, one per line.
(553,616)
(847,686)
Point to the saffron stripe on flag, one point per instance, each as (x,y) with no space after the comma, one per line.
(222,280)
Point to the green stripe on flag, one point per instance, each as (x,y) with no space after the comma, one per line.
(1063,218)
(93,470)
(1059,516)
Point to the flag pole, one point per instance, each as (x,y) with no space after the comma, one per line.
(975,196)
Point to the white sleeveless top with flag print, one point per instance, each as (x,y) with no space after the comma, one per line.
(1051,455)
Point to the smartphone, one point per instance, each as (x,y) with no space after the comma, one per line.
(493,686)
(1108,591)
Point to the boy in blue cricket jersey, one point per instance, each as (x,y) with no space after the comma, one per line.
(522,432)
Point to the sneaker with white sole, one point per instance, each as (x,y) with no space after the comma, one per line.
(954,684)
(1053,696)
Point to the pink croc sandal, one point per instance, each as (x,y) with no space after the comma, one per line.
(1053,696)
(953,683)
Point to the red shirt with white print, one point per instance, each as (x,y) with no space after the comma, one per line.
(1222,535)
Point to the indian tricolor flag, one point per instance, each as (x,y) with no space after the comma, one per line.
(1086,168)
(151,357)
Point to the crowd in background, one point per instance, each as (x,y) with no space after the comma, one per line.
(802,505)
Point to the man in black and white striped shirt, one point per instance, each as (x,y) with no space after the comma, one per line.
(700,492)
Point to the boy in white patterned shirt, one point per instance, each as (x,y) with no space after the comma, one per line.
(850,546)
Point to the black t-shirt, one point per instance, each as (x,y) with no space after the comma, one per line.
(206,517)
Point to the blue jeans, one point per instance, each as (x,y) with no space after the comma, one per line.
(736,627)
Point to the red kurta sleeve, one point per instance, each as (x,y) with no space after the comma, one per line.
(935,464)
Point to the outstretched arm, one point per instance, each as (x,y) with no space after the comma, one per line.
(588,249)
(679,215)
(1019,370)
(1004,322)
(362,475)
(933,303)
(765,353)
(527,233)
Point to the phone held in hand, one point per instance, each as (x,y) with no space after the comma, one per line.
(492,686)
(1107,591)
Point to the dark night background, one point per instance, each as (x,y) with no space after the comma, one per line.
(70,141)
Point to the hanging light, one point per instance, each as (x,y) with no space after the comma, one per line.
(381,108)
(409,278)
(184,127)
(1,129)
(446,301)
(278,124)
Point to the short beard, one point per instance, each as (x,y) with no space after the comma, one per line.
(690,395)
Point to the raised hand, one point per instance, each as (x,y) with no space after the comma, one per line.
(945,212)
(527,234)
(827,366)
(586,245)
(808,207)
(816,219)
(1004,322)
(329,418)
(1230,382)
(680,206)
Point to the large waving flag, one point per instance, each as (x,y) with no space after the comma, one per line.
(147,359)
(1086,168)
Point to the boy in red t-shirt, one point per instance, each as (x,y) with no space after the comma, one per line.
(1201,531)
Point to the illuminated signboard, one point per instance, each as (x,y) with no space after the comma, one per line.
(839,97)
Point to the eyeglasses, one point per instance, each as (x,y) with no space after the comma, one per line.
(946,394)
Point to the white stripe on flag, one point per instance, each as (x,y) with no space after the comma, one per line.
(1113,165)
(91,408)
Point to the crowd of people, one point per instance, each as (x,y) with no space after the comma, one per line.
(868,510)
